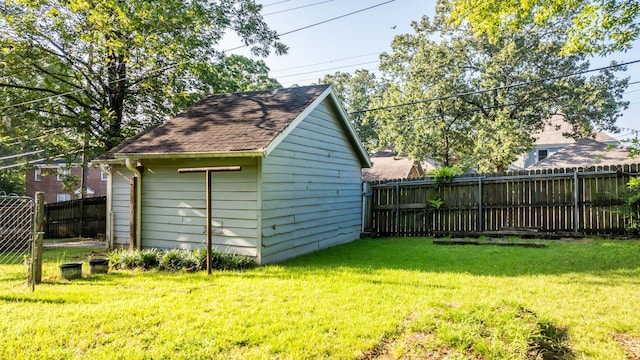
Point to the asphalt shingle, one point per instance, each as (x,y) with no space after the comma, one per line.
(224,123)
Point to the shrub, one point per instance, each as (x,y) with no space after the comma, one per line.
(124,259)
(172,260)
(175,260)
(149,258)
(446,173)
(630,197)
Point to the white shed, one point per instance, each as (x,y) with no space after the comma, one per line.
(298,189)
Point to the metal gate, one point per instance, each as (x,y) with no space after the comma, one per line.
(16,235)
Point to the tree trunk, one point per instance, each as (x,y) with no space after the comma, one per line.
(117,73)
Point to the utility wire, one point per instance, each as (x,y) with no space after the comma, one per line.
(27,162)
(18,140)
(167,67)
(325,62)
(295,81)
(275,3)
(502,87)
(296,8)
(337,17)
(20,155)
(36,160)
(327,69)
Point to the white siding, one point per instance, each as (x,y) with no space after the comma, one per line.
(174,206)
(120,205)
(310,189)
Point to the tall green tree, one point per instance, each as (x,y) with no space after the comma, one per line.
(456,96)
(101,70)
(597,26)
(356,92)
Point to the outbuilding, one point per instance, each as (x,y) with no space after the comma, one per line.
(284,171)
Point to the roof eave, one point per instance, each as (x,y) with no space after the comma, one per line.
(191,155)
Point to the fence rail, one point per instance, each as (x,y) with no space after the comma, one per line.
(560,200)
(76,218)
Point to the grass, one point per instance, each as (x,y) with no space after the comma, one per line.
(381,298)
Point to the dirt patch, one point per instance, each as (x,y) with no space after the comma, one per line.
(630,344)
(545,341)
(550,343)
(415,346)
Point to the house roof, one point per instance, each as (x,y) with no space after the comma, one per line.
(233,124)
(386,165)
(554,130)
(584,153)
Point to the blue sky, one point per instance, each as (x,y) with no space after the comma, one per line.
(355,41)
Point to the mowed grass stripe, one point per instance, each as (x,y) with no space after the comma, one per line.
(379,298)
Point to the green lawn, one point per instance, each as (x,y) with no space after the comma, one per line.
(382,299)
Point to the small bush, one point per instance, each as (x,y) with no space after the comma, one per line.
(446,173)
(149,258)
(175,260)
(171,260)
(123,259)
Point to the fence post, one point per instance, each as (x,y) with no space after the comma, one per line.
(576,210)
(480,204)
(37,240)
(367,213)
(398,208)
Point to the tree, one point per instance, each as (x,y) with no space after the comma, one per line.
(101,70)
(456,96)
(356,93)
(597,27)
(420,68)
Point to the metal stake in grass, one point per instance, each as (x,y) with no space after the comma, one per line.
(208,171)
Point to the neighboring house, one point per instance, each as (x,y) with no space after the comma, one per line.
(585,153)
(298,190)
(386,165)
(48,178)
(551,139)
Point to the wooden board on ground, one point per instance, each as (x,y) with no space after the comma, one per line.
(487,242)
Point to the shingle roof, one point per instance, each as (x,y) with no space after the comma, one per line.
(224,123)
(386,165)
(557,126)
(584,153)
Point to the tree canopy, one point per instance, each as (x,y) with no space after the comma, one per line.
(597,26)
(456,96)
(101,70)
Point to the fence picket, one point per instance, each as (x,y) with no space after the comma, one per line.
(83,217)
(541,199)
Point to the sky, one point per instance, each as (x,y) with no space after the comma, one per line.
(356,41)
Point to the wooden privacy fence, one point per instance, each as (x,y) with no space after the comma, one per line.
(76,218)
(559,200)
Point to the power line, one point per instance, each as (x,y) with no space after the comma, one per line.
(296,8)
(503,87)
(167,67)
(20,155)
(275,3)
(18,140)
(295,81)
(37,160)
(326,62)
(327,69)
(337,17)
(27,162)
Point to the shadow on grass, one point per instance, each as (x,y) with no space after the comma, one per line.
(620,258)
(24,299)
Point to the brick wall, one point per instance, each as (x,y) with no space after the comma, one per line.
(54,189)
